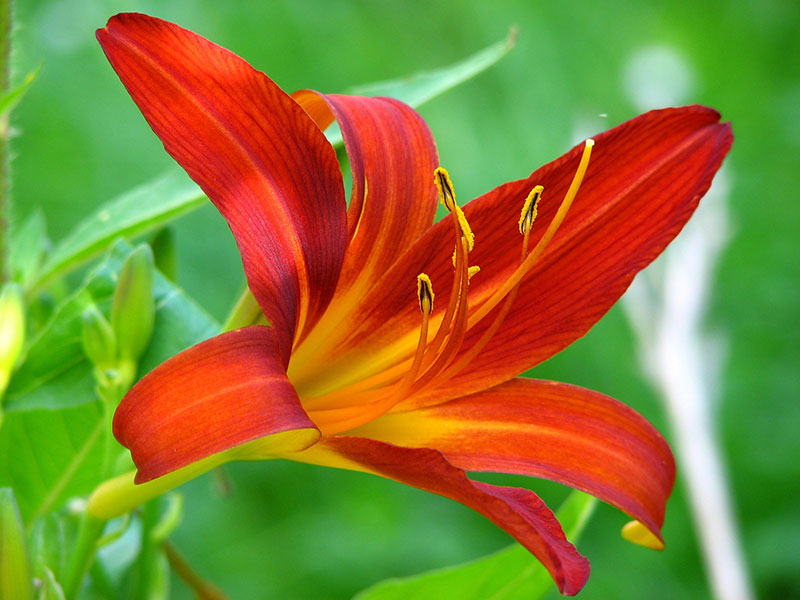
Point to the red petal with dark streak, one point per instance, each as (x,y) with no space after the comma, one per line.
(257,155)
(392,158)
(644,180)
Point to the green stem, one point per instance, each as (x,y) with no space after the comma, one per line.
(89,531)
(146,569)
(5,55)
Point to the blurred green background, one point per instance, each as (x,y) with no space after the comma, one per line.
(295,531)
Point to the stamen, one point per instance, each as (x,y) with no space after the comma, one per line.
(529,261)
(457,331)
(526,220)
(530,209)
(425,293)
(447,196)
(332,421)
(472,271)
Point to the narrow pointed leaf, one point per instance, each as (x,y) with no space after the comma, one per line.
(419,88)
(134,213)
(422,87)
(9,100)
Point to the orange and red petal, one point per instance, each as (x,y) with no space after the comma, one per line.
(392,159)
(217,395)
(256,154)
(644,180)
(520,512)
(556,431)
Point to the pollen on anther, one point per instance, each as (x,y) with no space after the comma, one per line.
(444,184)
(447,196)
(425,293)
(530,209)
(472,271)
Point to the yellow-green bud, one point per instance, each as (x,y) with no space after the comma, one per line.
(99,341)
(12,330)
(133,309)
(15,566)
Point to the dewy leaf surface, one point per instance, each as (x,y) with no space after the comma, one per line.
(510,574)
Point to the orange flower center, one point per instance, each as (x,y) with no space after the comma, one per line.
(435,363)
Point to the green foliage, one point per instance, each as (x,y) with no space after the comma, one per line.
(51,444)
(10,99)
(16,582)
(141,210)
(511,574)
(132,311)
(28,245)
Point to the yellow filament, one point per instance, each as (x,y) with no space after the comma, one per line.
(337,420)
(469,356)
(529,261)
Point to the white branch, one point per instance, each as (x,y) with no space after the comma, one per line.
(666,306)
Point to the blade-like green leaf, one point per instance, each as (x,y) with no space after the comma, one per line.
(422,87)
(56,373)
(28,244)
(415,90)
(12,97)
(48,456)
(134,213)
(511,574)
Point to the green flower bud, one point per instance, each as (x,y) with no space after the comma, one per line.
(16,580)
(133,308)
(165,253)
(12,330)
(99,341)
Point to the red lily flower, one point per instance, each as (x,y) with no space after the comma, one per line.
(347,375)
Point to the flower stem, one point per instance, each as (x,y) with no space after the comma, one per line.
(5,56)
(203,590)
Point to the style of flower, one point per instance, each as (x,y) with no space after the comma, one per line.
(361,367)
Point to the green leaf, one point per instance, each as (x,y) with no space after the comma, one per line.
(12,97)
(28,243)
(56,373)
(415,90)
(145,208)
(52,439)
(50,456)
(16,579)
(422,87)
(511,574)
